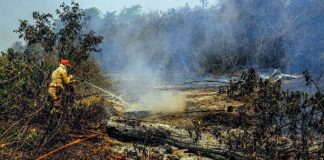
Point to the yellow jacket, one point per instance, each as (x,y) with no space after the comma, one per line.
(60,77)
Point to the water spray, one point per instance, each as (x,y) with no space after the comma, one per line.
(119,101)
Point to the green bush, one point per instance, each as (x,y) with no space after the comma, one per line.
(25,76)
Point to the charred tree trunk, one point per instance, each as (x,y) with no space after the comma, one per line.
(146,132)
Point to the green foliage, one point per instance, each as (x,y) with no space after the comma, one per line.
(72,44)
(69,41)
(29,75)
(25,76)
(41,32)
(245,86)
(297,115)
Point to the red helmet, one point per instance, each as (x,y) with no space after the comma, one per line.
(66,62)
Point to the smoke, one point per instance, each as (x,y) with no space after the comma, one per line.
(138,86)
(139,81)
(145,47)
(160,102)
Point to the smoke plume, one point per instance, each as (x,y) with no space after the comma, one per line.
(146,47)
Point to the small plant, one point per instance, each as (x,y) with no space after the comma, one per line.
(245,86)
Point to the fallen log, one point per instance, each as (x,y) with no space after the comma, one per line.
(135,130)
(203,143)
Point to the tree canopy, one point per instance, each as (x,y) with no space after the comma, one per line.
(64,37)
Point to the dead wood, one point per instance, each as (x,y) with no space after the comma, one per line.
(202,111)
(6,82)
(160,134)
(147,132)
(67,145)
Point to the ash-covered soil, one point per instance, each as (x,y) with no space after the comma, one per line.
(206,107)
(200,104)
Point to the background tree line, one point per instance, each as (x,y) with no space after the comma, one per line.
(211,38)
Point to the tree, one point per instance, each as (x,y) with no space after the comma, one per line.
(68,41)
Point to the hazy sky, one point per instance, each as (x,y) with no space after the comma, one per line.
(13,10)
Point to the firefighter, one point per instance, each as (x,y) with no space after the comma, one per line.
(60,78)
